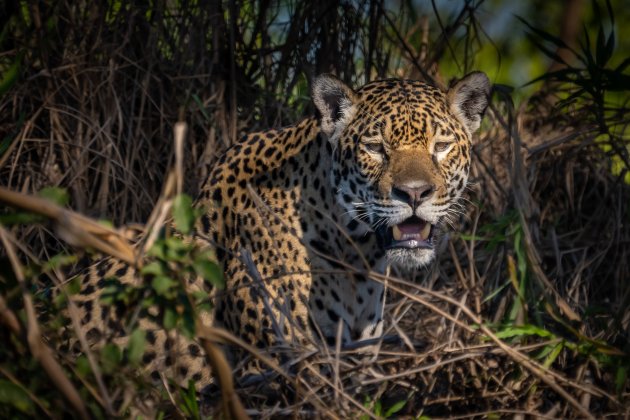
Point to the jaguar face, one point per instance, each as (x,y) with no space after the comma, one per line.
(401,153)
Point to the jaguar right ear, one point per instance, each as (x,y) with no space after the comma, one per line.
(468,99)
(334,101)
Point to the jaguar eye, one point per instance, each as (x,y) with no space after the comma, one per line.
(441,146)
(375,148)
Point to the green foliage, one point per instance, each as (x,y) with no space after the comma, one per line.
(594,87)
(171,262)
(174,260)
(163,286)
(19,218)
(606,356)
(495,233)
(593,78)
(511,331)
(206,267)
(57,262)
(111,357)
(376,407)
(137,344)
(507,229)
(8,79)
(525,321)
(190,404)
(15,396)
(621,377)
(183,213)
(395,408)
(83,366)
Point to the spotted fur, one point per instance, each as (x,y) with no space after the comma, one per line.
(297,215)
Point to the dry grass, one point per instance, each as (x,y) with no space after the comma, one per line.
(456,351)
(527,311)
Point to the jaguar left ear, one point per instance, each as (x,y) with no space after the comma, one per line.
(468,99)
(334,101)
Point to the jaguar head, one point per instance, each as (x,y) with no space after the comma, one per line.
(401,157)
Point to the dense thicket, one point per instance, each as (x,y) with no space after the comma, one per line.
(90,93)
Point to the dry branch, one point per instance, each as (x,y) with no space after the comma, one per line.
(73,227)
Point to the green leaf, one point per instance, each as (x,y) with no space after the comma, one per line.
(11,74)
(21,218)
(148,301)
(190,406)
(563,75)
(83,366)
(600,47)
(170,318)
(106,223)
(111,292)
(55,194)
(621,377)
(202,108)
(74,286)
(395,408)
(549,53)
(378,408)
(585,46)
(553,355)
(183,213)
(106,299)
(60,300)
(624,64)
(558,42)
(523,330)
(11,394)
(188,326)
(137,344)
(154,268)
(110,358)
(496,292)
(162,285)
(366,404)
(210,271)
(59,261)
(176,249)
(158,250)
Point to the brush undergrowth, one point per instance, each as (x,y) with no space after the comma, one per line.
(527,310)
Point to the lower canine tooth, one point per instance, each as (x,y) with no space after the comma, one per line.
(397,234)
(426,231)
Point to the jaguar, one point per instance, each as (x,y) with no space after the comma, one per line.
(299,216)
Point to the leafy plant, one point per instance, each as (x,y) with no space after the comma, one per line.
(174,259)
(170,262)
(592,86)
(376,407)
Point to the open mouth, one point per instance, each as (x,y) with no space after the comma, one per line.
(412,233)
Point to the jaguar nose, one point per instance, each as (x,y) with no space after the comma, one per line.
(414,196)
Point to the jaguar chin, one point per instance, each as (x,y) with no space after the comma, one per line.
(409,244)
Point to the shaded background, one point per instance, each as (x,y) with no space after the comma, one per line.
(90,92)
(101,84)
